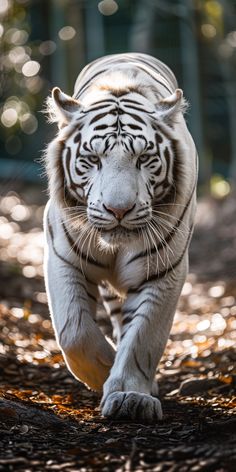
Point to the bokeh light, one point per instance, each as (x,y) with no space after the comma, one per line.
(66,33)
(219,186)
(9,117)
(108,7)
(17,57)
(30,68)
(47,47)
(231,39)
(4,5)
(29,271)
(20,212)
(34,84)
(209,31)
(16,36)
(19,37)
(28,123)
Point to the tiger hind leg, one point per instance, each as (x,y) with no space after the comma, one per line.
(113,306)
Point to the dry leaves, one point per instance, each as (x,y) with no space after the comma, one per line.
(197,373)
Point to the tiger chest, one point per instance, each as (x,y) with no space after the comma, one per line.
(126,272)
(120,270)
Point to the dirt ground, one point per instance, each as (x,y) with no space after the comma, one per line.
(50,422)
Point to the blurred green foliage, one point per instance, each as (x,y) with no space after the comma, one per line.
(47,42)
(22,87)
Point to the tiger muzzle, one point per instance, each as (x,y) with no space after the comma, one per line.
(118,212)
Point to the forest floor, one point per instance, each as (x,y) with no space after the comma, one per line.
(50,422)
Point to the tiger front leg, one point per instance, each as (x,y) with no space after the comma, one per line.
(147,320)
(87,354)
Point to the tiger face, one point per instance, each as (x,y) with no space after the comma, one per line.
(116,160)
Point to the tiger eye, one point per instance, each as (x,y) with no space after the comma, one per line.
(143,159)
(94,159)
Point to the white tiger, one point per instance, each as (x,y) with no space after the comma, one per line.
(122,178)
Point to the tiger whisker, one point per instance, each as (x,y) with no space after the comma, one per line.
(168,204)
(77,242)
(151,228)
(75,222)
(166,247)
(157,264)
(69,220)
(91,237)
(147,249)
(177,220)
(166,225)
(87,238)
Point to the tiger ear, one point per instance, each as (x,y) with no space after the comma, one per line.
(62,107)
(169,106)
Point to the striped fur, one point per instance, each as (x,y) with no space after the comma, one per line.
(122,178)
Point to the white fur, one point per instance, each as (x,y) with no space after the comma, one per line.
(126,377)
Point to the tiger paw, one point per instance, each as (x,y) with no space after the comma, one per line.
(134,406)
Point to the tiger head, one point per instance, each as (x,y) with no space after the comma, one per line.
(111,156)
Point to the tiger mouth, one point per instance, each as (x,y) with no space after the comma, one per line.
(118,236)
(121,231)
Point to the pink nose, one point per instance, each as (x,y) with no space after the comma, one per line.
(119,213)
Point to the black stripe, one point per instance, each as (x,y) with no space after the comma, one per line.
(72,185)
(127,319)
(170,235)
(149,163)
(129,100)
(139,366)
(148,191)
(165,272)
(100,127)
(61,257)
(159,138)
(90,110)
(76,249)
(109,298)
(115,311)
(110,100)
(88,83)
(134,127)
(89,190)
(98,117)
(164,180)
(68,262)
(77,138)
(155,69)
(135,117)
(139,109)
(91,296)
(131,146)
(137,308)
(141,136)
(158,81)
(172,267)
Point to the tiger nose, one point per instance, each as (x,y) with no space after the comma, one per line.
(119,213)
